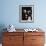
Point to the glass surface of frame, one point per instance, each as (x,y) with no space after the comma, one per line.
(26,13)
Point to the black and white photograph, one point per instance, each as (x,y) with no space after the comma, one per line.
(26,13)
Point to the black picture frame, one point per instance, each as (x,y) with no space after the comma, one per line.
(26,13)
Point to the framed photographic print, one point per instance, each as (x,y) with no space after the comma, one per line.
(26,13)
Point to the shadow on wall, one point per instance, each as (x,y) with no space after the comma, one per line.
(2,26)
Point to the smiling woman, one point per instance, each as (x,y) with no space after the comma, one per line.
(26,13)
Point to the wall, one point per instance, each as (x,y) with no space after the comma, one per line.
(9,13)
